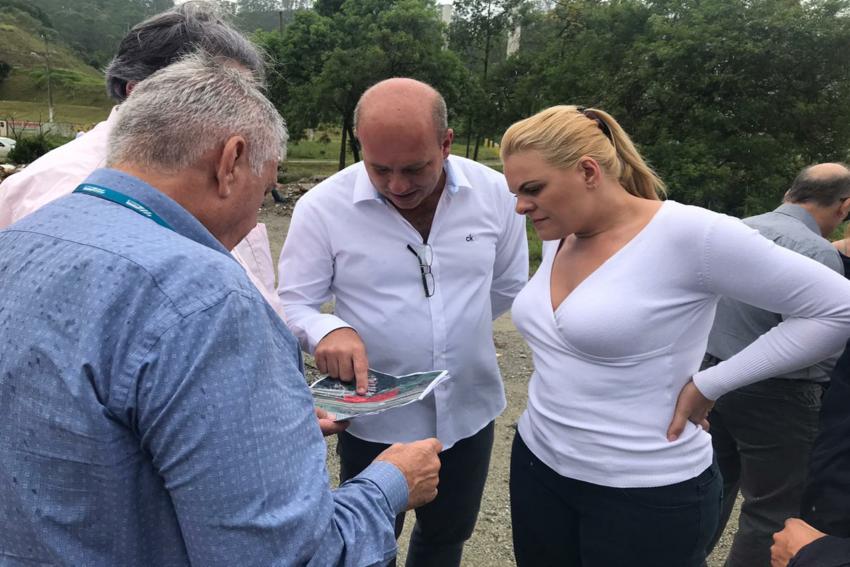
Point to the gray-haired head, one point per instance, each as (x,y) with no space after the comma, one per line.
(162,39)
(823,184)
(190,107)
(409,89)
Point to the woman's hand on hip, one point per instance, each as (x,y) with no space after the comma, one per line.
(691,406)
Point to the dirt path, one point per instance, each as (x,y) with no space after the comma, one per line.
(490,545)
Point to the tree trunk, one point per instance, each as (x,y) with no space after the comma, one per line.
(487,42)
(352,141)
(468,133)
(342,143)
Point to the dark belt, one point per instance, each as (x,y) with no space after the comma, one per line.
(710,360)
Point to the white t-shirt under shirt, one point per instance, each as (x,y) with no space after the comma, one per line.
(611,360)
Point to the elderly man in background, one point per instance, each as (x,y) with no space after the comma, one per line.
(148,47)
(763,433)
(152,407)
(421,251)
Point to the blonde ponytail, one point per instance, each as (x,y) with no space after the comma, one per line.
(563,134)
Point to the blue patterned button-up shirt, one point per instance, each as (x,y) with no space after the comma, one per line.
(152,408)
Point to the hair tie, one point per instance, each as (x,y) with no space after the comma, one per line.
(599,122)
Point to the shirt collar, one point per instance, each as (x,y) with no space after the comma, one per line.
(365,191)
(113,116)
(181,220)
(455,177)
(799,213)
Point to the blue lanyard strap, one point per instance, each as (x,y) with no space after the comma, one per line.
(123,200)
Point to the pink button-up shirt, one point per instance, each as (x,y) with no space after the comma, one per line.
(58,173)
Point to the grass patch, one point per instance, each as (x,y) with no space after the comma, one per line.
(21,37)
(69,87)
(291,172)
(319,148)
(485,153)
(24,48)
(85,116)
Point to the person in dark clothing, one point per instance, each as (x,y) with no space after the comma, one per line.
(825,505)
(826,497)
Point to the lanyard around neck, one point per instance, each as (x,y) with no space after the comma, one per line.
(123,200)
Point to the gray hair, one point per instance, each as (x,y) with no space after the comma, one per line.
(823,190)
(179,113)
(439,112)
(163,39)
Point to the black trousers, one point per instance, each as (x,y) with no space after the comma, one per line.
(443,525)
(826,496)
(559,521)
(762,436)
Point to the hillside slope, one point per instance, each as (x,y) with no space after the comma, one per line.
(23,47)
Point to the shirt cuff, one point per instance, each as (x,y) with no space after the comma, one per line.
(324,325)
(706,386)
(390,480)
(732,374)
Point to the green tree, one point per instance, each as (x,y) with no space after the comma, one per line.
(323,63)
(328,7)
(741,95)
(267,15)
(479,34)
(728,99)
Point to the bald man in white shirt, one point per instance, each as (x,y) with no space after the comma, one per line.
(421,251)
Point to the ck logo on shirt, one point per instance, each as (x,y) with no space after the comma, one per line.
(469,237)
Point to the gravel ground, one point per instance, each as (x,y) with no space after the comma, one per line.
(490,545)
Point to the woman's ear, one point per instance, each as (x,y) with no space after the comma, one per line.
(589,170)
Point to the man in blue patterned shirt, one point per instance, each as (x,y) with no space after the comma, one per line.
(152,407)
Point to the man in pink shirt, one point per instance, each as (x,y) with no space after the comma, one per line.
(148,47)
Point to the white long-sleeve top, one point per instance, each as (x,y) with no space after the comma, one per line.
(58,172)
(345,241)
(611,360)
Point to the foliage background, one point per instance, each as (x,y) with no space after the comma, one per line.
(727,99)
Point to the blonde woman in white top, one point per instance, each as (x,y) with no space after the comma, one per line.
(612,464)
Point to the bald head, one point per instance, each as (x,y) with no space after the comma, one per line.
(823,184)
(402,103)
(401,125)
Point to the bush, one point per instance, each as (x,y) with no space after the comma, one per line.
(29,149)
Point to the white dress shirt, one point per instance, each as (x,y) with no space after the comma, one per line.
(347,242)
(58,172)
(611,359)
